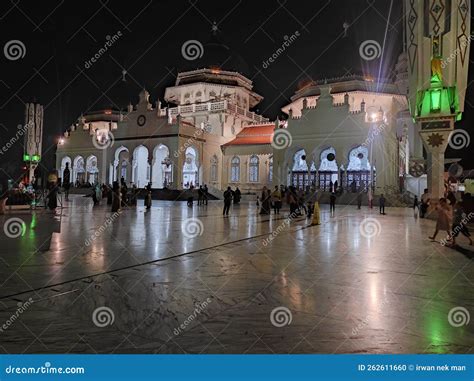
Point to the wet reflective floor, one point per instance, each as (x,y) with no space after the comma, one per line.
(188,280)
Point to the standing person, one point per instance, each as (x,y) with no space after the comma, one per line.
(237,195)
(332,203)
(200,195)
(206,194)
(191,196)
(416,207)
(66,181)
(382,204)
(370,196)
(292,201)
(148,196)
(359,200)
(227,201)
(109,195)
(276,199)
(301,202)
(425,202)
(459,223)
(265,202)
(451,198)
(94,195)
(116,202)
(123,191)
(442,222)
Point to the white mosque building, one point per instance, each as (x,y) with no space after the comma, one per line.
(353,130)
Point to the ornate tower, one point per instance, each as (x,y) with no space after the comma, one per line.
(33,137)
(437,44)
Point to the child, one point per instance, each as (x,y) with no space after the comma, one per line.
(442,222)
(459,224)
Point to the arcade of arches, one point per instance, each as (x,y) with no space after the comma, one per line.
(354,173)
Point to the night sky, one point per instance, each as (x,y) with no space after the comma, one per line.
(60,37)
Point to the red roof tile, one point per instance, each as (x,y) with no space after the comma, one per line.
(254,134)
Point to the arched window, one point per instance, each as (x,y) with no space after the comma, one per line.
(214,168)
(253,169)
(235,170)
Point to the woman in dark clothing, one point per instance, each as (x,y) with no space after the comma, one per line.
(237,195)
(265,202)
(115,197)
(148,196)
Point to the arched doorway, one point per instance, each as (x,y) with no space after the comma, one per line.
(300,178)
(162,168)
(92,171)
(141,168)
(328,171)
(78,170)
(190,168)
(66,160)
(121,163)
(358,174)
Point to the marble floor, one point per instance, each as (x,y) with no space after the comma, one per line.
(188,280)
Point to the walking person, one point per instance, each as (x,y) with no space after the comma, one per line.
(332,203)
(425,202)
(442,222)
(148,196)
(460,223)
(116,202)
(206,194)
(227,201)
(276,199)
(265,202)
(416,207)
(66,181)
(382,204)
(200,196)
(359,200)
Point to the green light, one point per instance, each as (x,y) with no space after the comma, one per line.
(435,97)
(26,157)
(36,158)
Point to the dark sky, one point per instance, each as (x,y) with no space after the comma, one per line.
(60,37)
